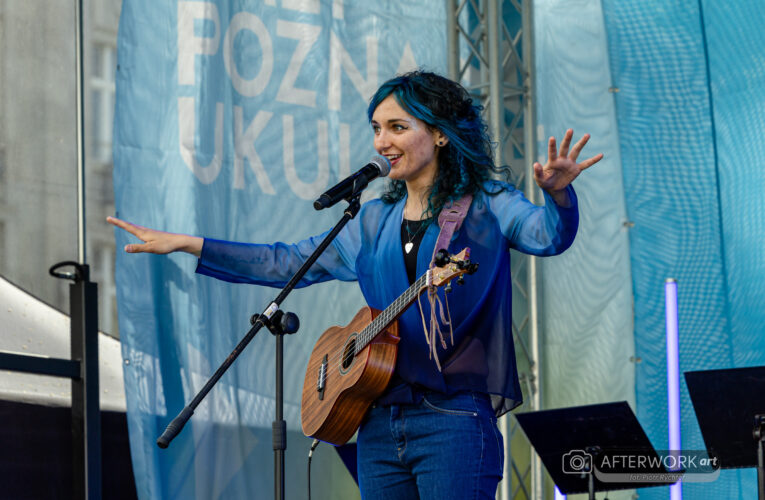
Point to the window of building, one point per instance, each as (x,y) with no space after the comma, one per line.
(103,66)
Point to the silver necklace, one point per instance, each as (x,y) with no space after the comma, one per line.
(411,236)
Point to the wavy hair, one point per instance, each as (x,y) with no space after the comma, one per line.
(465,162)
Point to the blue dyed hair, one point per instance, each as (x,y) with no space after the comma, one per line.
(465,162)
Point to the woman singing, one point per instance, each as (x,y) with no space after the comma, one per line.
(433,433)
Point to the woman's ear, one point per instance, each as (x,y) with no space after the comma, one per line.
(440,138)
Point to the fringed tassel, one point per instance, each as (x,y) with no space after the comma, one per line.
(435,326)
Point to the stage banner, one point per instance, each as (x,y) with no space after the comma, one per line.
(231,118)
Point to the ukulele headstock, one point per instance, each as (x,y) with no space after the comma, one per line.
(452,266)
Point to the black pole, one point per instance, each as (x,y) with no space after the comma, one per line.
(83,300)
(83,369)
(760,471)
(279,426)
(86,413)
(759,435)
(594,452)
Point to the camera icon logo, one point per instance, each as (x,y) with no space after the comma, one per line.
(577,462)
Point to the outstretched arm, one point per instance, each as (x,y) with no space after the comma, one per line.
(158,242)
(269,265)
(561,167)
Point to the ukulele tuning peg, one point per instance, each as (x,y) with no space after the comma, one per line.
(448,288)
(442,258)
(461,280)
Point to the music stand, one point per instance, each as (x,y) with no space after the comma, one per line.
(730,409)
(567,439)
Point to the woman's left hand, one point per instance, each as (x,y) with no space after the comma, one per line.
(561,167)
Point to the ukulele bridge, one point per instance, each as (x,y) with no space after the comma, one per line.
(322,381)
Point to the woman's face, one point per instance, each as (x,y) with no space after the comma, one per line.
(407,142)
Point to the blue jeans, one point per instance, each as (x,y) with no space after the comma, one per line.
(446,447)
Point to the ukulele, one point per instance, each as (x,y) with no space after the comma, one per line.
(350,366)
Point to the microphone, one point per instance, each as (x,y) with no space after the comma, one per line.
(378,166)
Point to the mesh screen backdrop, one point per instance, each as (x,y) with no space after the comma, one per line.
(690,117)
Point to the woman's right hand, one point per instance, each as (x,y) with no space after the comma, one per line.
(158,242)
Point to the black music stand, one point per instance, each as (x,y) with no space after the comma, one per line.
(579,446)
(730,409)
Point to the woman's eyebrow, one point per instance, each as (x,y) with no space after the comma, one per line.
(391,120)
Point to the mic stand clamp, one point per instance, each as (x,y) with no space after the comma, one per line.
(359,185)
(281,323)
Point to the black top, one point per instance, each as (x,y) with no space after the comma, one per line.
(412,232)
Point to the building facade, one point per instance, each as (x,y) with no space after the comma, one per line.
(38,153)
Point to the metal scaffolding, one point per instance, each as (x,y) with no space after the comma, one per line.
(490,52)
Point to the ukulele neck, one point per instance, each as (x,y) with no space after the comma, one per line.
(392,312)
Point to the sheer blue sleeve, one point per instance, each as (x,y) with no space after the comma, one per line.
(547,230)
(274,264)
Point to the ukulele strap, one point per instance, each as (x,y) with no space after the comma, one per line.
(449,220)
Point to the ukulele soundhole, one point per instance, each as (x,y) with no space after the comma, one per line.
(349,352)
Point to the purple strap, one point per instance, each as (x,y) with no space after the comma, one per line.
(450,220)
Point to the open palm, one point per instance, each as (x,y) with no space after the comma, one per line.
(562,167)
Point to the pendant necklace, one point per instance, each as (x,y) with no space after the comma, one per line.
(422,224)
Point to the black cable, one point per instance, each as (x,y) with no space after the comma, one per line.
(310,455)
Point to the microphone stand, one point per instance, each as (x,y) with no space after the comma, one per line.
(279,323)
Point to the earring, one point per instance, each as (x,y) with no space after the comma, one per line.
(440,143)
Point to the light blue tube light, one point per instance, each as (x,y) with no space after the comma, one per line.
(673,376)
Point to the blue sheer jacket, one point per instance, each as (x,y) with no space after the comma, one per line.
(369,250)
